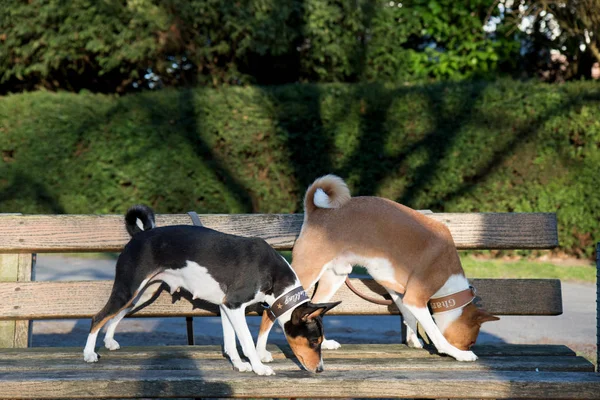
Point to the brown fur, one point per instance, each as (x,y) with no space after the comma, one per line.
(460,334)
(307,356)
(420,249)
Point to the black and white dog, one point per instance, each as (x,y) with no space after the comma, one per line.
(223,269)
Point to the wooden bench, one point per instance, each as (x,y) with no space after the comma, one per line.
(372,370)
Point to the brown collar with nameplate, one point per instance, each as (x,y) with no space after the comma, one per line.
(286,302)
(452,301)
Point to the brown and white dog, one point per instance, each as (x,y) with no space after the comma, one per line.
(408,253)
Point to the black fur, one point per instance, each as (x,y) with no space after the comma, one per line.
(312,329)
(144,214)
(242,266)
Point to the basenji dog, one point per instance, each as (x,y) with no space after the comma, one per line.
(230,271)
(409,254)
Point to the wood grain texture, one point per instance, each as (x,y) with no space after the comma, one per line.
(48,300)
(23,332)
(357,383)
(15,267)
(394,351)
(112,362)
(98,233)
(502,371)
(9,272)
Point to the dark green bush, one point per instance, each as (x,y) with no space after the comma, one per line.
(506,146)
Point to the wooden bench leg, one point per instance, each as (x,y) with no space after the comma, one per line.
(189,321)
(13,268)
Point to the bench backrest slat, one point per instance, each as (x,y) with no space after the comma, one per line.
(102,233)
(48,300)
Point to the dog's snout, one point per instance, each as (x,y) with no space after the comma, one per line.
(320,368)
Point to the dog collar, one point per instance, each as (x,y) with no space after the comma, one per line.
(286,302)
(452,301)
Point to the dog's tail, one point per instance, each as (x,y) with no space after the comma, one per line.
(139,218)
(329,191)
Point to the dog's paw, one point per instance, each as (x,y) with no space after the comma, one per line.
(265,356)
(263,370)
(330,344)
(111,344)
(414,342)
(342,269)
(462,355)
(242,366)
(90,357)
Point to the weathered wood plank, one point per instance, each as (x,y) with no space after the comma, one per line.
(395,351)
(47,300)
(97,233)
(9,271)
(358,383)
(15,267)
(23,332)
(112,361)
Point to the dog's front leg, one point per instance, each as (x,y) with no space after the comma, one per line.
(409,320)
(263,335)
(424,317)
(229,346)
(237,318)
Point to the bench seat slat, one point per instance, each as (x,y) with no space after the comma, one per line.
(83,299)
(357,383)
(98,233)
(281,351)
(112,362)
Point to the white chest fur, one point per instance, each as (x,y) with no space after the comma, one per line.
(195,279)
(454,284)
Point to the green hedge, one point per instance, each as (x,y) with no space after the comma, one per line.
(504,146)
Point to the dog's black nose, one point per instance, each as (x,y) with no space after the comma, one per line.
(319,368)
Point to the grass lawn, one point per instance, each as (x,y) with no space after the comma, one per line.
(497,268)
(475,267)
(493,268)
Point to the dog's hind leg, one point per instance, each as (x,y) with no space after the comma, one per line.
(144,295)
(121,299)
(118,301)
(328,284)
(237,318)
(229,345)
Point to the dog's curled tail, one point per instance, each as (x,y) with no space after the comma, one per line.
(329,191)
(139,218)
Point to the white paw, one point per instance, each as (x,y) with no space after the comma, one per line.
(242,366)
(342,269)
(90,357)
(265,356)
(462,355)
(330,345)
(263,370)
(111,344)
(414,342)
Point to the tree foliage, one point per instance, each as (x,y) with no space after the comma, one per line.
(116,45)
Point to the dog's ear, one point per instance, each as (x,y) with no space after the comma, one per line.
(484,316)
(308,311)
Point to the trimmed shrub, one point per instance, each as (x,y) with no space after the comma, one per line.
(504,146)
